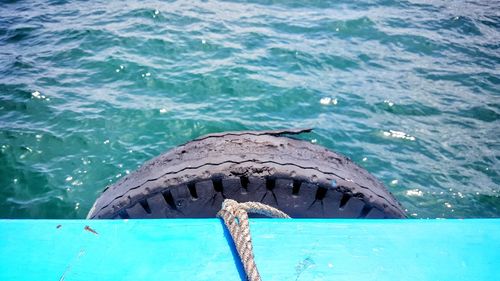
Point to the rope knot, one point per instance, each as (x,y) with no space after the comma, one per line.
(235,217)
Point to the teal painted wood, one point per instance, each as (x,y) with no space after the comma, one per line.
(196,249)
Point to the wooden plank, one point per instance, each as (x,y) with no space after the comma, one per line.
(198,249)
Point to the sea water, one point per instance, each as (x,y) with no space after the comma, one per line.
(409,90)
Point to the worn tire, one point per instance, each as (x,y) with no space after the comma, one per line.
(297,177)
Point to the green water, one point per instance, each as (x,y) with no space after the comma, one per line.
(407,89)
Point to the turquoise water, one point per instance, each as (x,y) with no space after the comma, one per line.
(407,89)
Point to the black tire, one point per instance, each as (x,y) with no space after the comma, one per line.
(297,177)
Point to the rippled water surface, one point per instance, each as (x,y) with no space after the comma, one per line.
(407,89)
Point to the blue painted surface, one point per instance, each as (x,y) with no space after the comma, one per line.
(197,249)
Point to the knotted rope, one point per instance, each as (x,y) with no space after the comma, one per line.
(235,216)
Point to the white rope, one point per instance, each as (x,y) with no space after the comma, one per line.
(235,216)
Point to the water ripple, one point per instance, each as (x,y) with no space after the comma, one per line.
(408,89)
